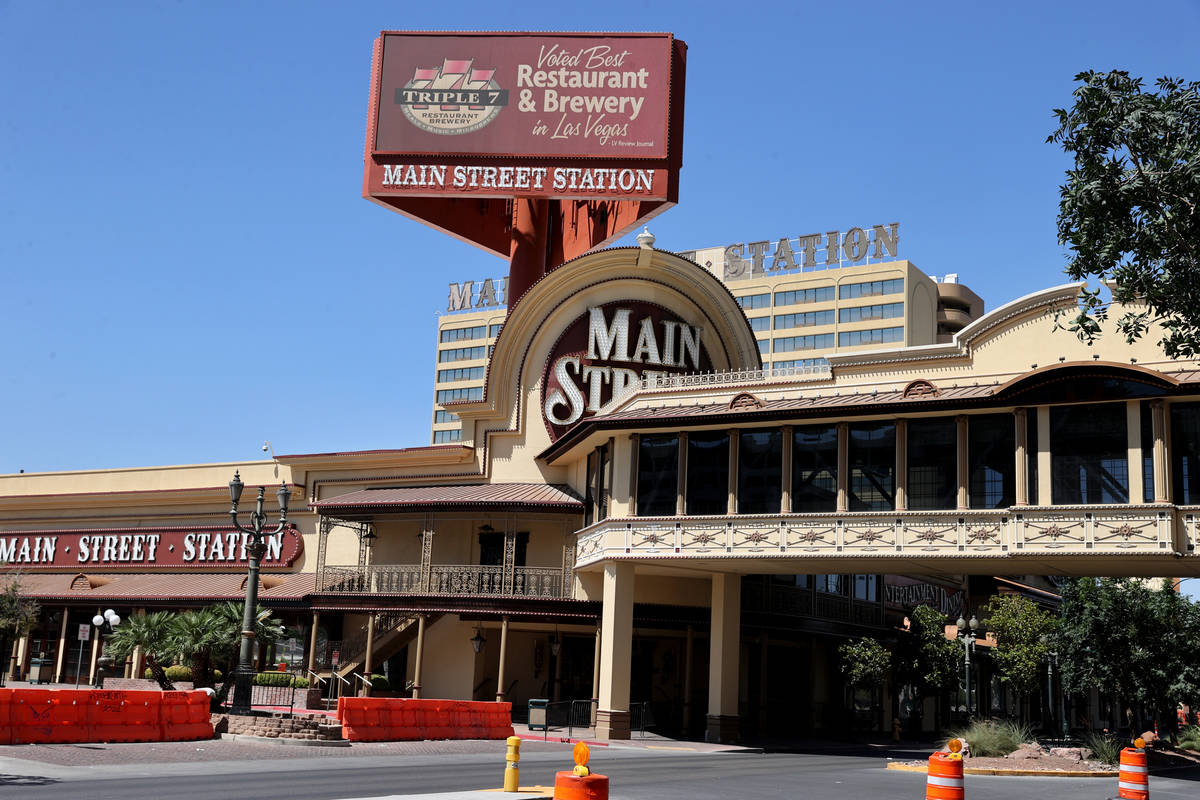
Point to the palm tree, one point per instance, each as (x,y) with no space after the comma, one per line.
(152,633)
(267,631)
(193,637)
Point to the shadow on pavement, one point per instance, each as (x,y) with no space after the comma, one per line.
(25,780)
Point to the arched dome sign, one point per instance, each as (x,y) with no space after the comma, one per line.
(608,348)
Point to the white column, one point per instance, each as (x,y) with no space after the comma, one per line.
(416,689)
(1021,472)
(62,646)
(1133,431)
(723,657)
(1043,457)
(503,656)
(616,651)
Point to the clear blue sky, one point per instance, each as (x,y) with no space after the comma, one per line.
(189,268)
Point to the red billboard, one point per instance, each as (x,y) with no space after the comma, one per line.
(106,549)
(460,119)
(525,94)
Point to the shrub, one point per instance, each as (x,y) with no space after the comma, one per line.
(183,673)
(1189,737)
(992,738)
(1104,746)
(275,679)
(380,682)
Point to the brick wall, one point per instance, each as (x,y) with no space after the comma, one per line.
(278,726)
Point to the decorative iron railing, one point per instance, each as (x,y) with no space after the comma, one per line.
(444,579)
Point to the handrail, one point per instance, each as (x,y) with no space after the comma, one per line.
(320,680)
(343,680)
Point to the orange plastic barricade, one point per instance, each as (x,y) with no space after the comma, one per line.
(569,786)
(43,716)
(945,779)
(185,716)
(6,716)
(115,716)
(1133,780)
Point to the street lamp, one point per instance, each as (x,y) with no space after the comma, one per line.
(244,672)
(105,623)
(967,635)
(1051,663)
(477,641)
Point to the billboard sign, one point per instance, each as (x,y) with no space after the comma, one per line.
(524,94)
(458,120)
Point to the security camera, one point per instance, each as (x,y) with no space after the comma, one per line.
(266,446)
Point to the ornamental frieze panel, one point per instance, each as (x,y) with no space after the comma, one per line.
(869,535)
(755,538)
(653,538)
(1054,532)
(1128,532)
(702,538)
(811,536)
(930,534)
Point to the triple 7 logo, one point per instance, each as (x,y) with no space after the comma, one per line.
(458,74)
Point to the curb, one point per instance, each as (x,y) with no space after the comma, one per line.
(245,737)
(1016,773)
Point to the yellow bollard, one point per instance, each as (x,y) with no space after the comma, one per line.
(512,772)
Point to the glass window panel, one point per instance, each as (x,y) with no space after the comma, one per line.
(708,473)
(760,472)
(1031,454)
(814,468)
(1089,454)
(658,469)
(1147,424)
(872,479)
(1185,453)
(932,464)
(866,587)
(991,444)
(830,584)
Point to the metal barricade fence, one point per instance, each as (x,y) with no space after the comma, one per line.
(275,690)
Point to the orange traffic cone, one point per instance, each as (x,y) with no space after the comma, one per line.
(1133,781)
(945,779)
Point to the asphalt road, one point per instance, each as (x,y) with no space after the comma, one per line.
(632,773)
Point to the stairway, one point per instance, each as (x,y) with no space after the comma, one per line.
(393,630)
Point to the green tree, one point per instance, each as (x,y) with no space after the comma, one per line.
(925,659)
(1024,639)
(1129,209)
(865,662)
(153,634)
(1126,638)
(17,614)
(192,639)
(267,631)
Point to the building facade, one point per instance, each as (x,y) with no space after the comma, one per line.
(639,512)
(799,314)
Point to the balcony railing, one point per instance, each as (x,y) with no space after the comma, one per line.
(443,579)
(1041,531)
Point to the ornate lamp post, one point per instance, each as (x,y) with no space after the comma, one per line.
(244,677)
(105,624)
(967,635)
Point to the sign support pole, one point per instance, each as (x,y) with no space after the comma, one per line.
(527,253)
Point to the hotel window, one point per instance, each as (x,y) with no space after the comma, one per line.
(759,324)
(1089,454)
(860,313)
(494,330)
(444,416)
(658,474)
(866,587)
(466,394)
(814,468)
(802,363)
(991,442)
(830,584)
(599,474)
(932,464)
(750,301)
(461,354)
(445,437)
(760,471)
(872,336)
(707,473)
(803,320)
(463,334)
(812,342)
(850,291)
(1185,454)
(798,296)
(764,346)
(460,374)
(872,481)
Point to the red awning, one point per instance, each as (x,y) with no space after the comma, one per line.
(87,588)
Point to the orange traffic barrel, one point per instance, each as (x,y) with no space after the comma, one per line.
(569,786)
(945,780)
(1133,782)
